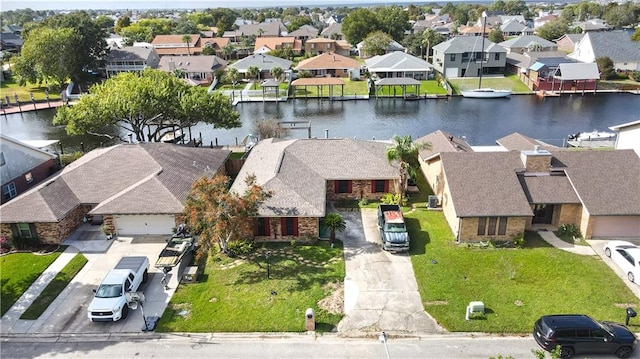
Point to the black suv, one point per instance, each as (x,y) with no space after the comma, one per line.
(578,334)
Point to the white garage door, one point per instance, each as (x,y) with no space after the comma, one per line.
(616,226)
(451,72)
(145,224)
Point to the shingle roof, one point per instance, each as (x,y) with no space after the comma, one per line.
(216,42)
(548,189)
(517,142)
(460,44)
(578,71)
(297,170)
(305,30)
(273,28)
(141,178)
(606,181)
(262,61)
(200,63)
(168,40)
(616,45)
(278,42)
(485,184)
(335,28)
(442,142)
(130,53)
(397,61)
(328,61)
(526,41)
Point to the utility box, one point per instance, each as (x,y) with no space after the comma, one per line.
(474,308)
(190,275)
(310,320)
(433,201)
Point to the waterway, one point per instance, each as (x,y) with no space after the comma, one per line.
(480,121)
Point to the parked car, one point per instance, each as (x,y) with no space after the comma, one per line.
(625,255)
(580,334)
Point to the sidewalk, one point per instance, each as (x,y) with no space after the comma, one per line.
(551,238)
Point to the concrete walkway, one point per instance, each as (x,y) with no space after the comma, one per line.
(552,239)
(380,289)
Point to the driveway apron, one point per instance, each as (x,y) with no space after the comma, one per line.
(380,289)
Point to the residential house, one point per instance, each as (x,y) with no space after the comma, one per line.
(265,63)
(432,21)
(216,43)
(10,42)
(201,69)
(536,69)
(265,29)
(399,64)
(22,166)
(522,44)
(130,59)
(333,31)
(174,45)
(525,186)
(543,20)
(14,29)
(567,42)
(460,57)
(136,189)
(591,25)
(513,27)
(265,45)
(334,19)
(474,31)
(328,64)
(304,33)
(628,136)
(616,45)
(493,18)
(321,45)
(391,47)
(304,174)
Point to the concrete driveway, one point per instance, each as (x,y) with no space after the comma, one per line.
(380,289)
(598,247)
(68,312)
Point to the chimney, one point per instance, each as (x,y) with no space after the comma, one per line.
(537,160)
(172,65)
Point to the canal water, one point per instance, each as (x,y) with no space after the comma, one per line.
(480,121)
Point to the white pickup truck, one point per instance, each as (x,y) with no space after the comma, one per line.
(109,303)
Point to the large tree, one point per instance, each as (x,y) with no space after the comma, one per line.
(405,152)
(359,24)
(553,29)
(496,35)
(376,43)
(89,50)
(145,104)
(431,38)
(47,54)
(218,216)
(394,21)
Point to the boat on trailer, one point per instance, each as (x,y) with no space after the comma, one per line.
(172,136)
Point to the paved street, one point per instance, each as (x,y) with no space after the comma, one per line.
(380,289)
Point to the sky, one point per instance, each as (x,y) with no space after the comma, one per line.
(6,5)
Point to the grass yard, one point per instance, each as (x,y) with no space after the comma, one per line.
(9,88)
(350,88)
(516,285)
(236,296)
(508,82)
(55,287)
(427,87)
(19,271)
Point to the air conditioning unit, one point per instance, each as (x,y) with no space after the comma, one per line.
(433,201)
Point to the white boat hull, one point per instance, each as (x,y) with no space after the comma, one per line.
(486,93)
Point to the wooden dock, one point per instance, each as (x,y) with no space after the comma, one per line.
(29,106)
(591,144)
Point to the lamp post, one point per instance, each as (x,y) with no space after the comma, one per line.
(383,339)
(267,255)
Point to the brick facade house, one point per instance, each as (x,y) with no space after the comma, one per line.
(304,174)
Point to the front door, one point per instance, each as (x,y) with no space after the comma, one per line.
(542,214)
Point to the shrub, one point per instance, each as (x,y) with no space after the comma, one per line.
(390,198)
(636,76)
(236,248)
(569,230)
(363,202)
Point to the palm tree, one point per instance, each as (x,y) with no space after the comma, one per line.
(277,72)
(187,39)
(233,75)
(253,71)
(334,222)
(227,51)
(430,38)
(405,151)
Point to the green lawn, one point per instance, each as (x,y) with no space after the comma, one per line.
(427,87)
(516,285)
(19,271)
(350,88)
(240,298)
(508,82)
(10,88)
(55,287)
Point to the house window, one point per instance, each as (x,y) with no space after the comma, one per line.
(492,226)
(289,226)
(482,226)
(343,186)
(497,56)
(24,230)
(379,186)
(453,57)
(2,161)
(313,46)
(262,227)
(502,227)
(28,177)
(9,191)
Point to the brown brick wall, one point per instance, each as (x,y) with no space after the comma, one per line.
(55,232)
(469,229)
(536,163)
(359,189)
(586,224)
(568,213)
(308,230)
